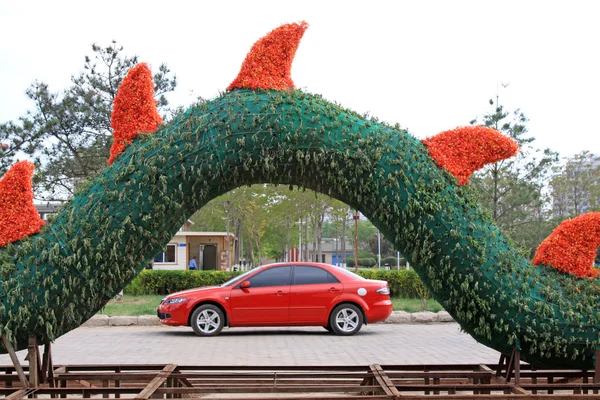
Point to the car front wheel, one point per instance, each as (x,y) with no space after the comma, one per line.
(346,319)
(207,320)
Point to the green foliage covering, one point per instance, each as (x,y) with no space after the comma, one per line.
(114,225)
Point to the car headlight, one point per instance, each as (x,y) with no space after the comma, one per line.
(384,290)
(175,300)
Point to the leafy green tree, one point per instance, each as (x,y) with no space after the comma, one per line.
(381,245)
(576,186)
(68,134)
(512,190)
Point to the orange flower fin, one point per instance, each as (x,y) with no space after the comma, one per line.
(572,246)
(268,65)
(464,150)
(18,216)
(134,109)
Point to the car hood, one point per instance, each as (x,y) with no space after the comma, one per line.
(183,293)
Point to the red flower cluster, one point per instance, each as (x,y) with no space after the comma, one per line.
(134,109)
(269,63)
(572,246)
(18,216)
(464,150)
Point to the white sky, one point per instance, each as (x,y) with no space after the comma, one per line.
(429,65)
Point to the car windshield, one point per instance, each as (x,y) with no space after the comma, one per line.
(240,277)
(352,274)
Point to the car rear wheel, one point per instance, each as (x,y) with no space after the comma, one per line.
(346,319)
(207,320)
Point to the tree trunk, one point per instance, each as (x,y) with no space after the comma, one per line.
(319,235)
(287,250)
(251,243)
(343,251)
(237,226)
(300,245)
(306,238)
(258,249)
(313,256)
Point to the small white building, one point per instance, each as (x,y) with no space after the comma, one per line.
(210,249)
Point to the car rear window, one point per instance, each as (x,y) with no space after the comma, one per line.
(352,274)
(306,275)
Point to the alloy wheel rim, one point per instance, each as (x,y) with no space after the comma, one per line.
(346,320)
(208,321)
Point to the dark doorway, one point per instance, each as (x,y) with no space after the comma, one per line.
(209,257)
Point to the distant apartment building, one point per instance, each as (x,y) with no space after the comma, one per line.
(47,209)
(577,189)
(331,252)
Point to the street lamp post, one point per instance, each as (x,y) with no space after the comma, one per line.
(228,239)
(336,250)
(356,241)
(378,249)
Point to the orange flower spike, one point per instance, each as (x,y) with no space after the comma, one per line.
(134,109)
(572,246)
(464,150)
(268,65)
(18,216)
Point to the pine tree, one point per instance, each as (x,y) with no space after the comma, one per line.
(511,189)
(68,133)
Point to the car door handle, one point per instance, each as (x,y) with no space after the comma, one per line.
(333,289)
(280,293)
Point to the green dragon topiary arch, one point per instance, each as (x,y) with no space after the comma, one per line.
(53,282)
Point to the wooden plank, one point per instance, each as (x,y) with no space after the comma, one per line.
(156,382)
(33,356)
(15,360)
(20,394)
(244,375)
(597,370)
(47,365)
(384,381)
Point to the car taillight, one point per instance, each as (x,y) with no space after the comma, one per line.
(384,290)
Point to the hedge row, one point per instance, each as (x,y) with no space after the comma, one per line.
(402,283)
(362,262)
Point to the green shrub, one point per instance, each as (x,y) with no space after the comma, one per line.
(364,254)
(135,288)
(393,261)
(165,282)
(367,262)
(402,283)
(362,262)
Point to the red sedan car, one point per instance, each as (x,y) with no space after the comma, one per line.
(283,294)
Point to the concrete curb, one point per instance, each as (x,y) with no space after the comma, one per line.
(397,317)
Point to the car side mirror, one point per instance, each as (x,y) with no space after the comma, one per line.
(245,285)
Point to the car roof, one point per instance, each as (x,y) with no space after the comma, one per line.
(298,263)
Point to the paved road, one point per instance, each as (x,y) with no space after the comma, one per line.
(440,343)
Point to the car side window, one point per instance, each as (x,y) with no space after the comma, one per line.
(277,276)
(305,275)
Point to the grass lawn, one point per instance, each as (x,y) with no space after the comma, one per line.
(133,305)
(146,305)
(415,305)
